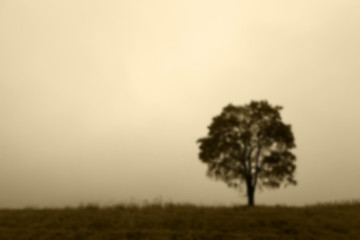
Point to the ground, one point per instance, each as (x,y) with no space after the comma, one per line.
(183,222)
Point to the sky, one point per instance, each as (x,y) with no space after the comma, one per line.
(103,101)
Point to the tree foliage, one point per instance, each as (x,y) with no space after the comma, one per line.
(249,145)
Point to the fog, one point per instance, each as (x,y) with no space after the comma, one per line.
(103,101)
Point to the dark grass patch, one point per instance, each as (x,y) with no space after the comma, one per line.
(189,222)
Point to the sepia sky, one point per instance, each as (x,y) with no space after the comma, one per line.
(103,101)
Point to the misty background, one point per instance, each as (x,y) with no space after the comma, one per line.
(103,101)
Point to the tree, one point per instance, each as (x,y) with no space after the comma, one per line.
(249,145)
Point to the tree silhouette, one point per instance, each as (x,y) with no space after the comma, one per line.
(249,145)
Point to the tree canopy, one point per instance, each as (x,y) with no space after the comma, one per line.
(249,145)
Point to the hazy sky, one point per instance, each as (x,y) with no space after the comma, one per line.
(103,101)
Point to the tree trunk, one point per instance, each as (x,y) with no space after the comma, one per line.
(250,194)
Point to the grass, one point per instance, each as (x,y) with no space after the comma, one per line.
(183,222)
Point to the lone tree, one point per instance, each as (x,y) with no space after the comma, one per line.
(249,145)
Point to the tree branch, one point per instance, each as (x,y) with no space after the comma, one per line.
(245,149)
(257,167)
(240,159)
(244,156)
(249,160)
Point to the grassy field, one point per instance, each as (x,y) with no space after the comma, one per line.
(187,222)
